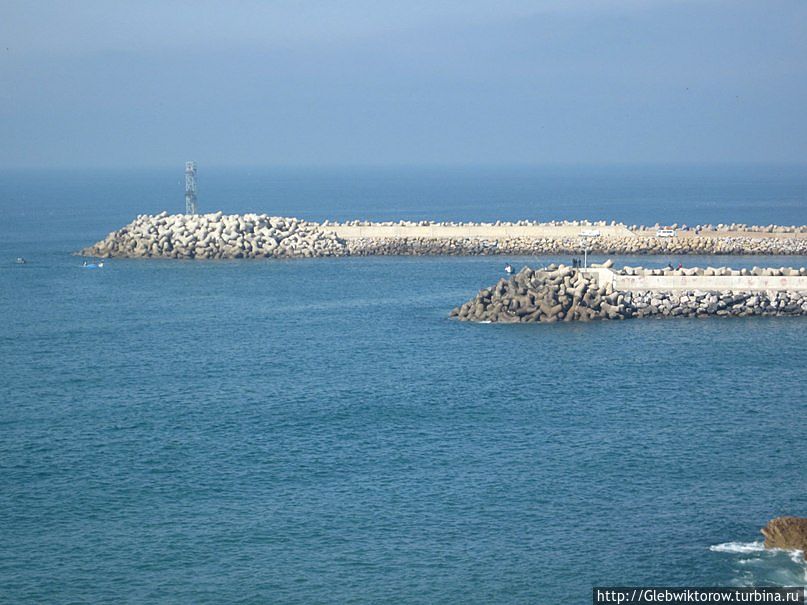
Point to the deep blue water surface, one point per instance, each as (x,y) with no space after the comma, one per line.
(318,431)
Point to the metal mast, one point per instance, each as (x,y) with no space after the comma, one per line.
(190,187)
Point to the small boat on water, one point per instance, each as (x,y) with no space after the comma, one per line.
(21,260)
(98,265)
(508,268)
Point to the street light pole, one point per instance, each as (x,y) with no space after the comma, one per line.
(585,237)
(584,242)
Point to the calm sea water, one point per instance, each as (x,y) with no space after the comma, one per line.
(318,431)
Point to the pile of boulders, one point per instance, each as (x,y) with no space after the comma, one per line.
(428,223)
(538,246)
(716,271)
(721,227)
(725,228)
(560,293)
(218,235)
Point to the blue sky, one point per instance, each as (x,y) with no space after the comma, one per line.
(371,82)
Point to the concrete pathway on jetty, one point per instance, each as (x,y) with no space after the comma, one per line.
(514,230)
(501,231)
(727,233)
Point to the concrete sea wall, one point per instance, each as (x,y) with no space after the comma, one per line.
(560,293)
(709,279)
(212,236)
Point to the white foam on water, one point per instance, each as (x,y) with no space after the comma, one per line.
(797,556)
(767,566)
(745,548)
(738,547)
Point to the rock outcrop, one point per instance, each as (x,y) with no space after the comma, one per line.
(786,532)
(560,293)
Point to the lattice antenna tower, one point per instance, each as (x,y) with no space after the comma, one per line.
(190,188)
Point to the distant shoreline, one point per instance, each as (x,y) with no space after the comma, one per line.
(218,236)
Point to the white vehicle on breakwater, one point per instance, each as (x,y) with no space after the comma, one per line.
(590,233)
(666,233)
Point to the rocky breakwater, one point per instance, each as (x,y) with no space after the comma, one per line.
(550,246)
(258,235)
(713,272)
(427,238)
(209,236)
(557,245)
(560,293)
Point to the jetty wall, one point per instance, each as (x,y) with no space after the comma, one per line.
(560,293)
(681,281)
(217,236)
(489,231)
